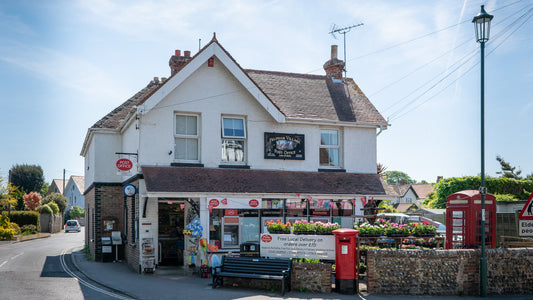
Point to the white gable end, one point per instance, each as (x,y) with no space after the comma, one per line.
(202,57)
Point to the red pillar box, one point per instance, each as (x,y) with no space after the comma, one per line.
(346,260)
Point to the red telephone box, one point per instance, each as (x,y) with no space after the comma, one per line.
(463,220)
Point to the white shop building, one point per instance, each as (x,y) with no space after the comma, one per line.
(234,148)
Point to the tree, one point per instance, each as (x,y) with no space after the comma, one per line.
(28,178)
(397,177)
(32,200)
(74,213)
(381,169)
(44,189)
(7,195)
(58,199)
(508,171)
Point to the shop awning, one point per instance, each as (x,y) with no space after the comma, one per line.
(240,181)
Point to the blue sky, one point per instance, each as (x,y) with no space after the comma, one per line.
(65,64)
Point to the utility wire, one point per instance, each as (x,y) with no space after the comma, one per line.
(501,33)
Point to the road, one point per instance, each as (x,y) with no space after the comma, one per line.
(42,269)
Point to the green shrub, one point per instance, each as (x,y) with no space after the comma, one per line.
(29,229)
(54,207)
(25,217)
(58,199)
(506,197)
(45,209)
(7,233)
(15,227)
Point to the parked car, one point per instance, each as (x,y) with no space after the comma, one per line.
(72,225)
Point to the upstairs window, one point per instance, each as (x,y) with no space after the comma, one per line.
(233,139)
(186,138)
(329,148)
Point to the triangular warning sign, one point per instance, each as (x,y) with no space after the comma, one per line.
(527,211)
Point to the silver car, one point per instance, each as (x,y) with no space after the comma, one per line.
(72,225)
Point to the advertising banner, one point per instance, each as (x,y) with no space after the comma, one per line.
(298,246)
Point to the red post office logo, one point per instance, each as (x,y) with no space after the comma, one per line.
(213,203)
(267,238)
(253,203)
(124,164)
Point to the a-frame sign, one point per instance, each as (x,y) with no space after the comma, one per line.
(527,211)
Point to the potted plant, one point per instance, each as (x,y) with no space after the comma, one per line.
(367,230)
(304,227)
(423,229)
(278,227)
(395,229)
(325,228)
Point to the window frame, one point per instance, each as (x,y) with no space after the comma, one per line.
(187,137)
(242,138)
(338,147)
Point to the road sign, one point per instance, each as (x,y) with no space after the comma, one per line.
(525,228)
(527,211)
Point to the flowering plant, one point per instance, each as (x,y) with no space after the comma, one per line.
(278,226)
(326,228)
(367,229)
(304,226)
(397,229)
(423,228)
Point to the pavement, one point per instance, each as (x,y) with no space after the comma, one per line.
(182,283)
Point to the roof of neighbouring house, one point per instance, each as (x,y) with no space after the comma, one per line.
(297,96)
(58,183)
(207,180)
(400,189)
(79,181)
(423,190)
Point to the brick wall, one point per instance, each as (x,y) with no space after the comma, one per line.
(132,242)
(106,200)
(449,272)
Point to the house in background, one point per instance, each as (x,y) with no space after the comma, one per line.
(56,186)
(411,194)
(229,149)
(74,192)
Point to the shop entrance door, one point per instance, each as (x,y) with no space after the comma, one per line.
(171,225)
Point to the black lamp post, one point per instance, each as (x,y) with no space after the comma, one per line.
(482,24)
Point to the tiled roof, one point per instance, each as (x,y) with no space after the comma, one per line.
(58,183)
(400,189)
(316,97)
(211,180)
(422,190)
(114,119)
(79,181)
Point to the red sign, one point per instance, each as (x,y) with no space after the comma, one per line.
(224,201)
(213,203)
(231,212)
(124,164)
(266,238)
(254,203)
(527,211)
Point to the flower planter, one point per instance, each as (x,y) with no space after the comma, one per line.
(398,235)
(369,235)
(424,234)
(305,232)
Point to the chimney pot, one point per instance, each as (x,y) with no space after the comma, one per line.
(333,51)
(187,53)
(177,52)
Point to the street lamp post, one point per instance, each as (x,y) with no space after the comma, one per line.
(482,25)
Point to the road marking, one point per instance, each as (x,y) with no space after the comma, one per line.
(2,264)
(17,255)
(87,284)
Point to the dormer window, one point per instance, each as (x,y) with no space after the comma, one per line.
(186,138)
(233,139)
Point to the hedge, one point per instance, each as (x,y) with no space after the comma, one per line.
(520,189)
(24,217)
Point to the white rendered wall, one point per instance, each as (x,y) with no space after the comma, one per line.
(214,92)
(106,145)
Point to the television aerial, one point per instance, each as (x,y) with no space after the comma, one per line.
(344,30)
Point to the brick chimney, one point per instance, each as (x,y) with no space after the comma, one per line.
(177,62)
(334,66)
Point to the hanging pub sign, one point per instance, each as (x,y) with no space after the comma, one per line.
(284,146)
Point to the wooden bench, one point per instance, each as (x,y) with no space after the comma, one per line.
(255,268)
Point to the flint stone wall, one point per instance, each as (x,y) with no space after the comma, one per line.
(449,272)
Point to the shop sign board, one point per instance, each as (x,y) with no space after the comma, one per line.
(284,146)
(525,228)
(237,203)
(298,246)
